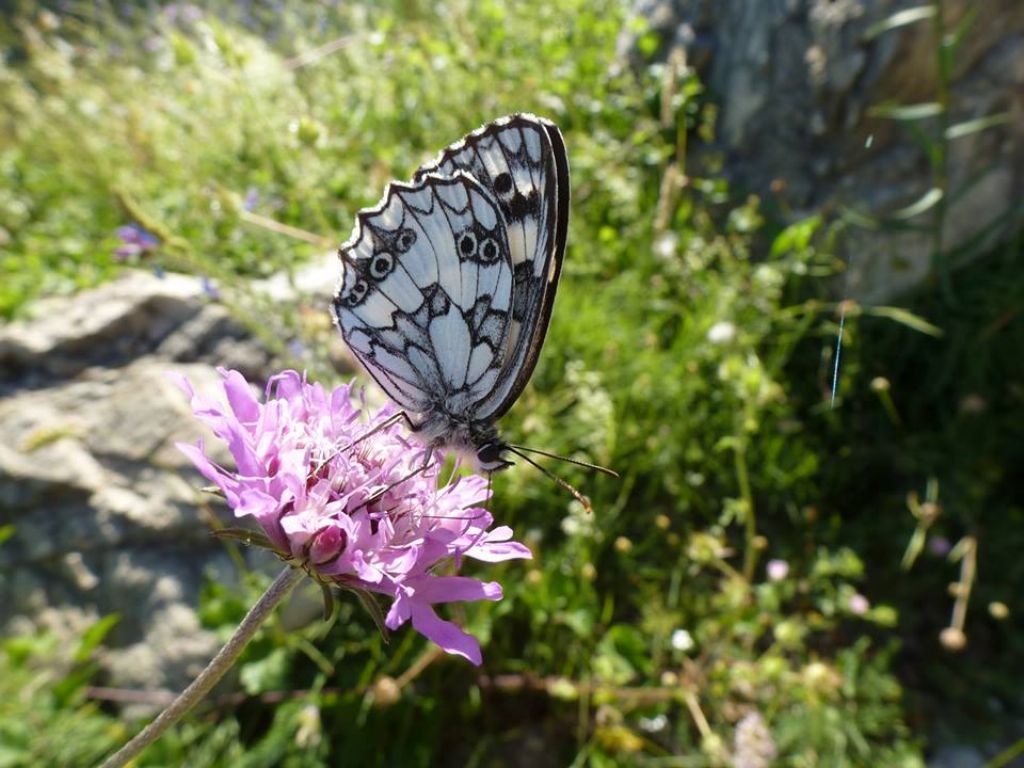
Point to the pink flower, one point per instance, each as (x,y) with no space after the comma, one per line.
(350,501)
(777,570)
(858,605)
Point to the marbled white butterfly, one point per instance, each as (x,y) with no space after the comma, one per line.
(449,282)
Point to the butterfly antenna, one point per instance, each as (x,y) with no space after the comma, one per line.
(576,494)
(577,462)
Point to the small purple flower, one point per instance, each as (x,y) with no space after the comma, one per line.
(135,241)
(939,546)
(858,604)
(252,199)
(351,502)
(777,570)
(209,288)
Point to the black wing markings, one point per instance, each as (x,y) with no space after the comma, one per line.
(552,165)
(391,351)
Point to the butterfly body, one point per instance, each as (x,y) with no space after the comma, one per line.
(449,282)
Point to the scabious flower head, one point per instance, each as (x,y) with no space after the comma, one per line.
(350,501)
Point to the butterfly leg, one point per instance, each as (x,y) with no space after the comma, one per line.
(380,427)
(380,494)
(428,454)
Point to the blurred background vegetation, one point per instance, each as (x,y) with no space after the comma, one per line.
(771,575)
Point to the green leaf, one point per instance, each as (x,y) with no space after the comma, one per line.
(93,636)
(899,19)
(266,674)
(1007,755)
(897,220)
(796,237)
(861,219)
(927,201)
(908,112)
(905,317)
(914,548)
(612,662)
(952,40)
(969,127)
(579,620)
(6,531)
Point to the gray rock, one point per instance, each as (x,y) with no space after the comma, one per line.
(107,513)
(122,320)
(796,81)
(957,757)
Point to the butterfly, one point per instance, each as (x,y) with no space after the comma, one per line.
(449,281)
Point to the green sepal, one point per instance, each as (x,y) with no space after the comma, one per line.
(369,602)
(247,536)
(325,589)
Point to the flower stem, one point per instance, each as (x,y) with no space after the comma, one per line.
(750,518)
(214,671)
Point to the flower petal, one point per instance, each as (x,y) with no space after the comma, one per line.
(448,636)
(450,589)
(240,397)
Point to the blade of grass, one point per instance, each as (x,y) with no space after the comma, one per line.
(899,19)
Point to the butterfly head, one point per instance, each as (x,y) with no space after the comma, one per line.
(490,456)
(480,445)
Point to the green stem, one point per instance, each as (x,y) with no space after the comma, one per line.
(214,671)
(939,261)
(750,518)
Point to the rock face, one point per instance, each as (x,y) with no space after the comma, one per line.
(107,513)
(797,82)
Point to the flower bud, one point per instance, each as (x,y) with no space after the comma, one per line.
(385,692)
(998,610)
(953,639)
(327,544)
(880,384)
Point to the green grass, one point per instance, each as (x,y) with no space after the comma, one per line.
(729,452)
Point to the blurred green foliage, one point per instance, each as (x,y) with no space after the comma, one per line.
(691,349)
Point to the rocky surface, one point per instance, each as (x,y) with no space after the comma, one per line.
(107,514)
(797,80)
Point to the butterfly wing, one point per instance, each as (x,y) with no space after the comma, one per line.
(425,298)
(522,163)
